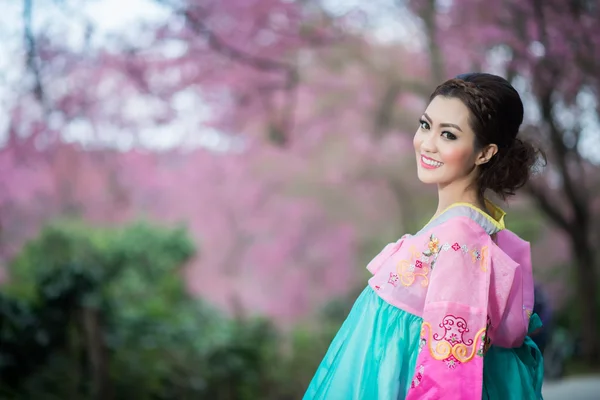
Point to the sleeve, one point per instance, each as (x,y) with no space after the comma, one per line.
(507,304)
(389,250)
(512,275)
(455,318)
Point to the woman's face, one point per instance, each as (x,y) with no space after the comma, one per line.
(445,144)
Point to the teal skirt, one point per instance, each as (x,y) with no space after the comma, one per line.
(374,353)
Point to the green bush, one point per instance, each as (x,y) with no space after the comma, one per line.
(103,313)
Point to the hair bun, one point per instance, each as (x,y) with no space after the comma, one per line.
(510,168)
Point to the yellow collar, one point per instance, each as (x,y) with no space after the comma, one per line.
(495,216)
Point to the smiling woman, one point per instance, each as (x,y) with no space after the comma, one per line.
(445,151)
(458,294)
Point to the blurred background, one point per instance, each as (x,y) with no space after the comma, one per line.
(190,189)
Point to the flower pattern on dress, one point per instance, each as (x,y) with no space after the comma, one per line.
(451,344)
(418,377)
(454,339)
(416,266)
(451,362)
(481,256)
(433,249)
(422,263)
(393,280)
(455,328)
(485,343)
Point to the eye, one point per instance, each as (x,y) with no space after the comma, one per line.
(424,124)
(449,135)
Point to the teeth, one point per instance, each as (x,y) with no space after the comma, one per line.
(431,162)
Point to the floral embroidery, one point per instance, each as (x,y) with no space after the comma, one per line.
(451,362)
(393,280)
(451,345)
(454,328)
(433,249)
(480,256)
(418,377)
(407,268)
(422,343)
(486,342)
(454,338)
(433,246)
(420,264)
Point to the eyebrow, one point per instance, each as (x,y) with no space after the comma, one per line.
(443,125)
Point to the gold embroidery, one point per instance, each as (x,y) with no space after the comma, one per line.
(408,273)
(408,270)
(443,349)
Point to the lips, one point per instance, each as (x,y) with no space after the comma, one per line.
(430,163)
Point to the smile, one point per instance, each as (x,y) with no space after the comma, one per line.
(430,163)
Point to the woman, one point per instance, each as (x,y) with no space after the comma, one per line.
(447,311)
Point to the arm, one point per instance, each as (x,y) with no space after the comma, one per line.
(455,316)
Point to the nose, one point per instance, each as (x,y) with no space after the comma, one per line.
(428,145)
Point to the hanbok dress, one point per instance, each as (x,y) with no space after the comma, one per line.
(446,315)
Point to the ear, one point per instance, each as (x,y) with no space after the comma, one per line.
(486,154)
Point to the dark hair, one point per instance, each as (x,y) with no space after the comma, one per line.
(496,113)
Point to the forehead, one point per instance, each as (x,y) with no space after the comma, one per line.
(448,110)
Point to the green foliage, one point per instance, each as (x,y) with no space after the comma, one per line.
(527,223)
(98,313)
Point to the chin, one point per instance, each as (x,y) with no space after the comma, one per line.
(426,177)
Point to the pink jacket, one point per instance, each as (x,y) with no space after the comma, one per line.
(471,282)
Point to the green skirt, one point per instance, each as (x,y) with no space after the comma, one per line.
(373,356)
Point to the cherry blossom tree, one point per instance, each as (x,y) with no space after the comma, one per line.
(313,117)
(278,215)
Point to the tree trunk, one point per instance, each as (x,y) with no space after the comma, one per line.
(587,285)
(74,350)
(96,352)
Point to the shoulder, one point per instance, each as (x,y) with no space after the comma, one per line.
(469,218)
(511,249)
(507,238)
(459,227)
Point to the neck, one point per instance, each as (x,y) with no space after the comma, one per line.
(458,192)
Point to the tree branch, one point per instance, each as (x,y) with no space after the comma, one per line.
(32,56)
(384,113)
(577,198)
(435,53)
(550,209)
(220,46)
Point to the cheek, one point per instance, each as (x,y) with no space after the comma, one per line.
(417,141)
(457,157)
